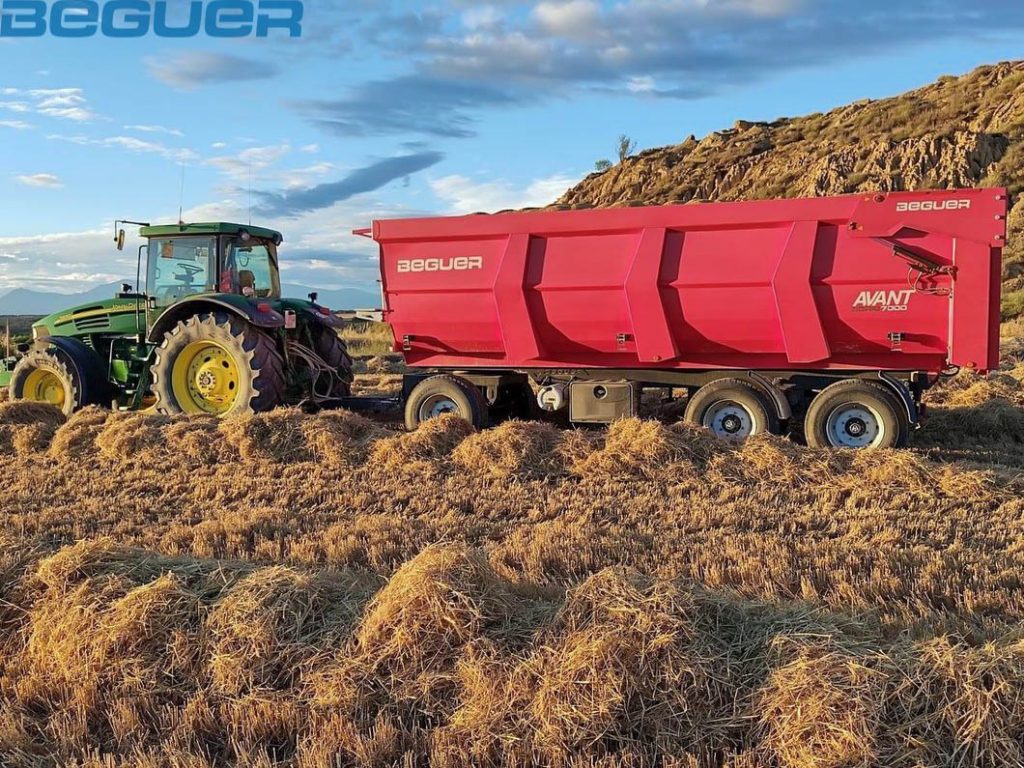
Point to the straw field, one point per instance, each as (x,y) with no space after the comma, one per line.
(306,591)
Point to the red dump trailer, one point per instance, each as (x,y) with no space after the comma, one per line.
(835,313)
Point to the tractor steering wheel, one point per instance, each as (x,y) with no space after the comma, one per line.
(190,272)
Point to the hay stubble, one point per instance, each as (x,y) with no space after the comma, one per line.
(317,591)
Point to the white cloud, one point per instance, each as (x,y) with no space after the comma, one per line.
(482,17)
(310,149)
(62,103)
(464,195)
(298,178)
(35,261)
(752,7)
(187,70)
(249,162)
(573,19)
(44,180)
(154,129)
(59,103)
(17,125)
(132,144)
(641,84)
(78,114)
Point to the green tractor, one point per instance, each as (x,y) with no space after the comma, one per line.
(210,334)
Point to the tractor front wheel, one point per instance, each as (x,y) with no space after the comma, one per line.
(42,376)
(217,364)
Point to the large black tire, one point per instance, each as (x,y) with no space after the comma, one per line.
(733,410)
(258,382)
(330,347)
(443,394)
(856,414)
(48,376)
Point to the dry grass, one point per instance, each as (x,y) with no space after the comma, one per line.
(368,339)
(26,428)
(303,591)
(513,449)
(419,450)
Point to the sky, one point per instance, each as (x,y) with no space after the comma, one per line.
(389,109)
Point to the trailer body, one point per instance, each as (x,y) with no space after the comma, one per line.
(905,281)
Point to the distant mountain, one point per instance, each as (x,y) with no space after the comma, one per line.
(23,301)
(344,298)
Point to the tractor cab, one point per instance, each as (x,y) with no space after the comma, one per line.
(218,258)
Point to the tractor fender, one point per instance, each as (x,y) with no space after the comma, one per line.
(314,315)
(86,366)
(252,312)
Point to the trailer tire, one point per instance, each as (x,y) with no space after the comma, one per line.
(856,414)
(732,409)
(438,395)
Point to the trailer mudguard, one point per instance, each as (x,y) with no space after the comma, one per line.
(904,396)
(259,314)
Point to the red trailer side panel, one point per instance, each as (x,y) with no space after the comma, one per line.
(903,281)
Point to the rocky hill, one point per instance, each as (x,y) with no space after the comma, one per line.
(957,132)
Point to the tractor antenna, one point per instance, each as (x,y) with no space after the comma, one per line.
(250,193)
(181,197)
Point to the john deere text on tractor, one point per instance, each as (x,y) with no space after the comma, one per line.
(210,333)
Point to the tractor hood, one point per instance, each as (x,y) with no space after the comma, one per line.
(115,316)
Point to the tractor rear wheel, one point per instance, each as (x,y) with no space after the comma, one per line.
(330,348)
(43,376)
(217,364)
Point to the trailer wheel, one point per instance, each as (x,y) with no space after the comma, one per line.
(856,414)
(733,410)
(443,394)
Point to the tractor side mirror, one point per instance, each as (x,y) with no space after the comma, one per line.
(120,240)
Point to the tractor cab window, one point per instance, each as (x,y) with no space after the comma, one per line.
(250,268)
(181,267)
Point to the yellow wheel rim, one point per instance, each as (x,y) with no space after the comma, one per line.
(205,379)
(44,386)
